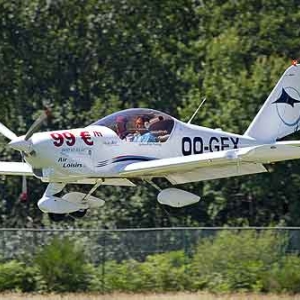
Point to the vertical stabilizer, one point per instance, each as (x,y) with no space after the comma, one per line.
(280,114)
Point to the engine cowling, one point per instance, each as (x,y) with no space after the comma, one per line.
(176,197)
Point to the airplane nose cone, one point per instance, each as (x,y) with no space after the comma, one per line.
(21,145)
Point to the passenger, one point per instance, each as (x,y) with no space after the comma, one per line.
(121,127)
(143,134)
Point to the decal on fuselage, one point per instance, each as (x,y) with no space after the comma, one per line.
(69,139)
(196,145)
(72,165)
(66,164)
(66,150)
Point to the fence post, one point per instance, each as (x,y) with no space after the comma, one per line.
(103,262)
(185,247)
(3,243)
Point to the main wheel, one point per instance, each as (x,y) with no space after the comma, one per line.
(78,214)
(56,217)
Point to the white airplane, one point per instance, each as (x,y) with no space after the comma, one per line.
(146,144)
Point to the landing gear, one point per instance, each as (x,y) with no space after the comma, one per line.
(57,217)
(78,214)
(71,206)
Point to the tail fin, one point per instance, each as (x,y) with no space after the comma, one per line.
(280,115)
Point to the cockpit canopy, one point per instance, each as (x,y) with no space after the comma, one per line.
(139,125)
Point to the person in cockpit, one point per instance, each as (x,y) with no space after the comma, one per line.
(142,133)
(121,127)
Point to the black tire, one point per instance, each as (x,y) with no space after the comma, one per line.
(56,217)
(78,214)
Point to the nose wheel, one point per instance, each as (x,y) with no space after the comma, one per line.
(71,206)
(57,217)
(78,214)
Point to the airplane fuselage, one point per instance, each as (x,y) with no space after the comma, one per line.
(98,152)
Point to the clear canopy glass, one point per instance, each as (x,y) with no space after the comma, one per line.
(139,125)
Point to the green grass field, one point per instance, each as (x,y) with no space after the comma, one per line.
(177,296)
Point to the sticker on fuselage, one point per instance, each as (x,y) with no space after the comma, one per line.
(196,145)
(67,138)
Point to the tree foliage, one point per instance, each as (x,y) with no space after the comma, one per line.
(231,261)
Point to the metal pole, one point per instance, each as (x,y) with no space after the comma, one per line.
(103,262)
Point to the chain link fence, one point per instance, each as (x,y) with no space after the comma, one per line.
(104,245)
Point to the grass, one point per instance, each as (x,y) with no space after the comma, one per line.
(167,296)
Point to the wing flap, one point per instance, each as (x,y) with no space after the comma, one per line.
(15,168)
(216,172)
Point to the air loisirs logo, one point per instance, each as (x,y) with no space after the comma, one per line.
(287,106)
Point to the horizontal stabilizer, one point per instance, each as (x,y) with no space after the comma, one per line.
(280,151)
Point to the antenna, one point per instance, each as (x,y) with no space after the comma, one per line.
(195,113)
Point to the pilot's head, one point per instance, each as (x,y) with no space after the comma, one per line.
(121,125)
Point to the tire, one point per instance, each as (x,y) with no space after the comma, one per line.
(56,217)
(78,214)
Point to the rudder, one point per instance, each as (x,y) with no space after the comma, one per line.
(280,114)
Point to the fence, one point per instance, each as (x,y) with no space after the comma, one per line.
(104,245)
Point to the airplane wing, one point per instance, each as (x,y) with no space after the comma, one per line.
(248,160)
(15,168)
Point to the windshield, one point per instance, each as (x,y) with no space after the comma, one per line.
(139,125)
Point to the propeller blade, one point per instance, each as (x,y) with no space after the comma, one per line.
(7,132)
(37,124)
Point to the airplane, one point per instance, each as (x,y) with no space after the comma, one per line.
(146,144)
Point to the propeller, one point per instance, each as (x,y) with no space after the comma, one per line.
(12,136)
(22,144)
(37,123)
(7,132)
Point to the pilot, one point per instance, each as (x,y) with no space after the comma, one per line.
(121,127)
(143,134)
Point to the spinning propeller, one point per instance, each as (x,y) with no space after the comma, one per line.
(23,144)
